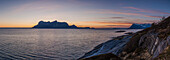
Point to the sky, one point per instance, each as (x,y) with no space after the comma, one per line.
(83,13)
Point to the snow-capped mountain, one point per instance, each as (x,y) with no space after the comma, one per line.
(139,26)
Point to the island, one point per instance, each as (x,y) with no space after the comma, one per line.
(56,24)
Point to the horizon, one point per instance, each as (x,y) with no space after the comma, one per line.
(82,13)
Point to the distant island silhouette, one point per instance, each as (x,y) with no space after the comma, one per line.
(56,24)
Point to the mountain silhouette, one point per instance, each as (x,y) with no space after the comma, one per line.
(56,24)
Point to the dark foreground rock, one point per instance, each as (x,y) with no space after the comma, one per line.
(129,33)
(114,46)
(149,44)
(108,56)
(120,31)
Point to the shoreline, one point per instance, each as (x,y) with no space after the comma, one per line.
(149,44)
(106,48)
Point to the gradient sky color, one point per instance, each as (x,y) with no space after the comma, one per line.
(83,13)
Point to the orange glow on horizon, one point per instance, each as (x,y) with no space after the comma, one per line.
(92,25)
(17,26)
(104,26)
(112,23)
(96,24)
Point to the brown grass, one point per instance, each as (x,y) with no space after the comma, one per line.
(164,55)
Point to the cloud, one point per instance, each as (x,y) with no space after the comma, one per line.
(112,18)
(121,23)
(139,21)
(113,23)
(148,11)
(110,11)
(97,24)
(127,20)
(108,18)
(118,23)
(124,21)
(124,13)
(40,6)
(100,24)
(118,26)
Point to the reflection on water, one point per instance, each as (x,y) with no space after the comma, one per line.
(60,44)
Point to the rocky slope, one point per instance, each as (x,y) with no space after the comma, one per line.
(112,46)
(150,43)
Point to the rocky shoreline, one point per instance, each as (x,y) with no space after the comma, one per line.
(148,44)
(113,46)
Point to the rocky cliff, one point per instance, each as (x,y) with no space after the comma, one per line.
(148,44)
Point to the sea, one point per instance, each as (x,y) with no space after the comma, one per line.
(52,44)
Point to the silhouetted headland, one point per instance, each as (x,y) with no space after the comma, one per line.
(56,24)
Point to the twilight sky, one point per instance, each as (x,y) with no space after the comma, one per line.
(83,13)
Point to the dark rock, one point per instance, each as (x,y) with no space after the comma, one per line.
(129,33)
(120,31)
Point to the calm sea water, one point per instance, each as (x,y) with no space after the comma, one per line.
(51,44)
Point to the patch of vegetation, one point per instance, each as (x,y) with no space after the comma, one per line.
(168,51)
(140,50)
(164,33)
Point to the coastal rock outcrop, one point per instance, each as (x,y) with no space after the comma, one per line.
(148,44)
(112,46)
